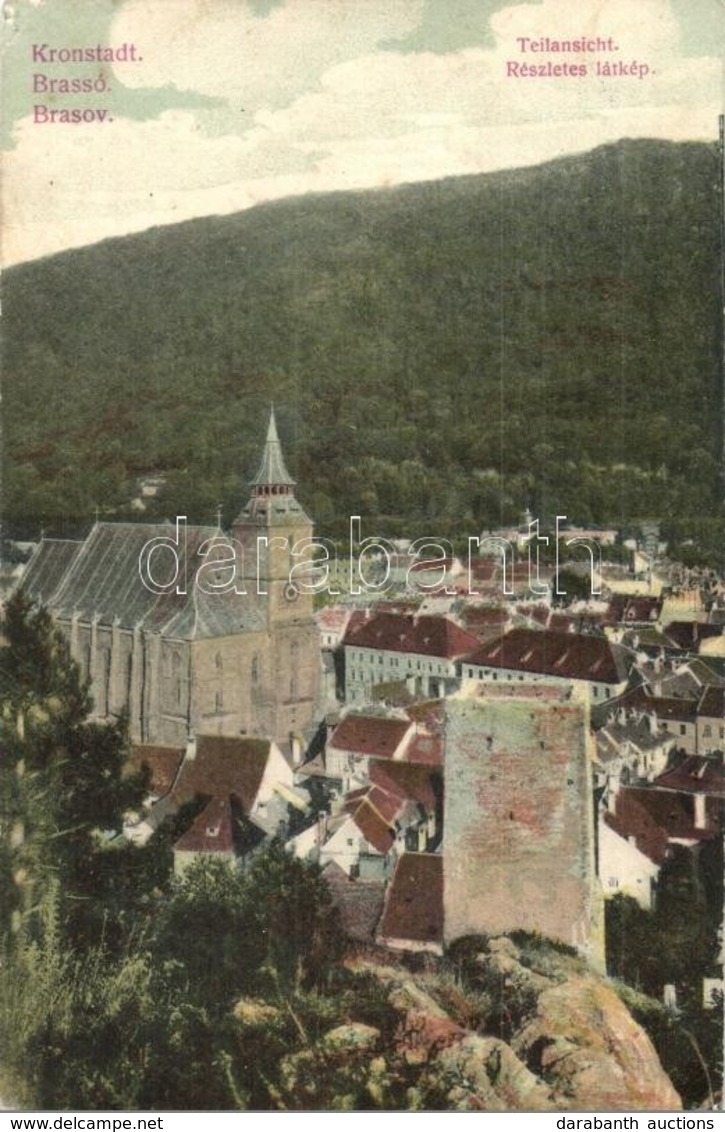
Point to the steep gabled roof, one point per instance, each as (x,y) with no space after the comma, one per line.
(373,826)
(664,707)
(654,817)
(369,735)
(633,609)
(407,782)
(688,634)
(224,766)
(162,764)
(414,904)
(48,565)
(212,830)
(100,577)
(696,774)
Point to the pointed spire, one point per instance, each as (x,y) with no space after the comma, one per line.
(272,470)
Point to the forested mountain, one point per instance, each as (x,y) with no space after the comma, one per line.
(440,354)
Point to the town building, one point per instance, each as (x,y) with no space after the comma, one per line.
(543,655)
(419,652)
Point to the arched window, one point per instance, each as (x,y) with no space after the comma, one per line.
(255,669)
(218,662)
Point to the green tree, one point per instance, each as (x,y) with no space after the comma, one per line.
(63,786)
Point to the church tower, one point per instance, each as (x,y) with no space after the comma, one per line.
(270,527)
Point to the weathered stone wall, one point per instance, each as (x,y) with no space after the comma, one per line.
(519,826)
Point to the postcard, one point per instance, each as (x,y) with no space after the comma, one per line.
(362,670)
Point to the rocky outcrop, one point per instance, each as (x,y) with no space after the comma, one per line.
(552,1036)
(585,1042)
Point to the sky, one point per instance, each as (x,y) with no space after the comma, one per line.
(230,103)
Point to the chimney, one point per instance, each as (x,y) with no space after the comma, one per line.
(700,811)
(322,820)
(190,752)
(295,749)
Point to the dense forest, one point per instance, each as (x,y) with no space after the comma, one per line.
(450,351)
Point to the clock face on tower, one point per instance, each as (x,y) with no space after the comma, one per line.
(291,592)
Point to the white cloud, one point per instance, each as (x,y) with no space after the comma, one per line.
(360,117)
(222,49)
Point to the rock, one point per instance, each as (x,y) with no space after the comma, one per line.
(592,1052)
(354,1036)
(404,993)
(420,1034)
(484,1074)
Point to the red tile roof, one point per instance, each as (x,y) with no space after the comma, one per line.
(688,634)
(414,905)
(695,775)
(421,636)
(665,707)
(369,735)
(386,802)
(211,832)
(374,808)
(406,781)
(712,703)
(632,818)
(633,609)
(162,763)
(484,569)
(224,767)
(654,817)
(376,831)
(574,656)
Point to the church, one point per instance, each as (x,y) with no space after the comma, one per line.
(239,660)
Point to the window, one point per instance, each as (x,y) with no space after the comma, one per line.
(219,702)
(683,729)
(255,669)
(707,730)
(218,662)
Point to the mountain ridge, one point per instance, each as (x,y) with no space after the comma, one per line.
(448,350)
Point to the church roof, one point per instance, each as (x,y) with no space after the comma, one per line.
(100,578)
(48,566)
(272,469)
